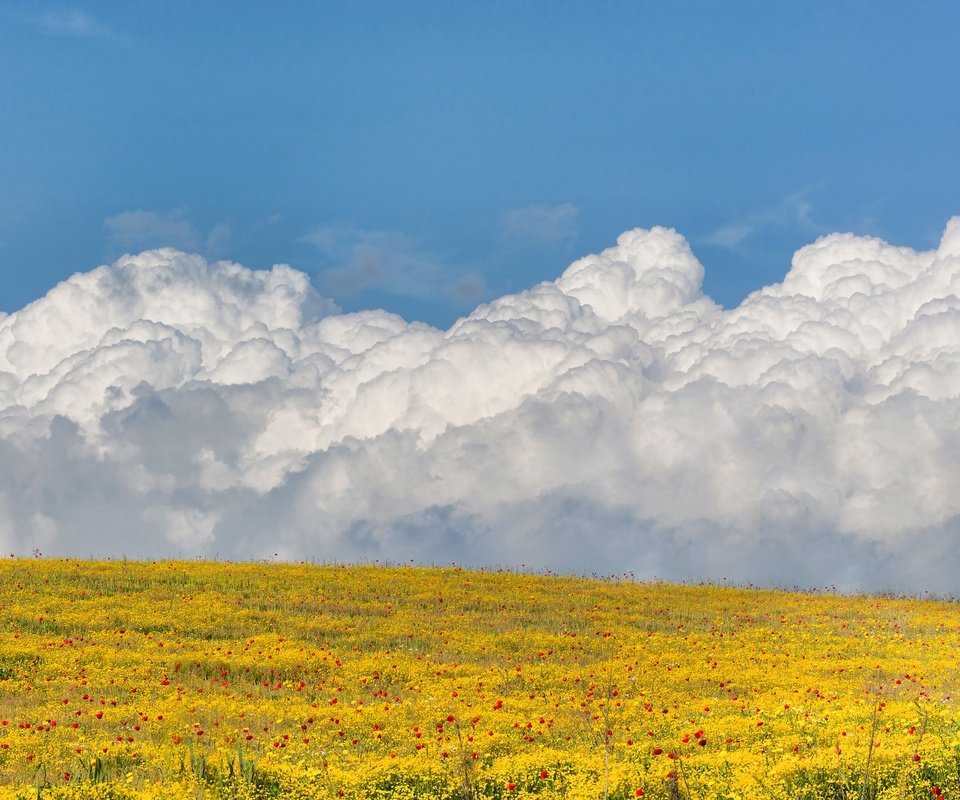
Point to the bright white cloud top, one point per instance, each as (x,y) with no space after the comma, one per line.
(615,419)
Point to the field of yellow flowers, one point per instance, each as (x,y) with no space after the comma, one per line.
(217,680)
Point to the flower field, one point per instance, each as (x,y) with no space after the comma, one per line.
(190,680)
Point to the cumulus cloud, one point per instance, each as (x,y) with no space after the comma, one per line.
(613,419)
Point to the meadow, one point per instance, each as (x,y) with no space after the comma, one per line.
(216,680)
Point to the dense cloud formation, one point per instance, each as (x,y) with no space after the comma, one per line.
(615,419)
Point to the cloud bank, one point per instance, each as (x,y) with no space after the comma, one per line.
(616,419)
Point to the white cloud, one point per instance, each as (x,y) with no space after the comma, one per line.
(136,230)
(468,290)
(794,211)
(614,419)
(217,240)
(542,224)
(72,23)
(139,229)
(357,258)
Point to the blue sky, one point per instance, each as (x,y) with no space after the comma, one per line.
(422,157)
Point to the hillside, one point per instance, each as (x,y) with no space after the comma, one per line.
(173,679)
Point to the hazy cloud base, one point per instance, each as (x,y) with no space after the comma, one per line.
(615,419)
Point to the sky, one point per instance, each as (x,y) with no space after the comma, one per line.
(667,288)
(422,157)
